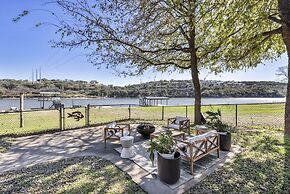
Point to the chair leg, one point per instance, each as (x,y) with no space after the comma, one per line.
(129,128)
(105,137)
(191,167)
(218,153)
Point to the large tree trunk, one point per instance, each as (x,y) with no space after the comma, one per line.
(287,105)
(193,64)
(197,92)
(195,80)
(284,10)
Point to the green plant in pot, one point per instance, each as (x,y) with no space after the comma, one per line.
(168,159)
(214,122)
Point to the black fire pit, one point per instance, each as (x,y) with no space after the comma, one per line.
(145,129)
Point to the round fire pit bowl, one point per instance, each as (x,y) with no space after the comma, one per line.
(145,129)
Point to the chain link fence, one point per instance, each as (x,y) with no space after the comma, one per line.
(228,112)
(104,114)
(271,115)
(32,121)
(148,113)
(35,121)
(74,117)
(9,123)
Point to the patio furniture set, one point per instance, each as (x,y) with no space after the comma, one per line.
(191,148)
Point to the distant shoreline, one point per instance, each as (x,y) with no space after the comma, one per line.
(35,97)
(88,98)
(70,89)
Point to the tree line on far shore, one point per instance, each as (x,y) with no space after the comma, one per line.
(171,88)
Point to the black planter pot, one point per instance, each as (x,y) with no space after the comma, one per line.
(169,169)
(225,141)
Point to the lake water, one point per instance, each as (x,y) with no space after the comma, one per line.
(5,104)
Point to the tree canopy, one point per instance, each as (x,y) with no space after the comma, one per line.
(138,34)
(169,35)
(259,33)
(264,34)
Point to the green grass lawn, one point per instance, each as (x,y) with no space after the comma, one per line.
(45,121)
(75,175)
(248,115)
(108,114)
(263,166)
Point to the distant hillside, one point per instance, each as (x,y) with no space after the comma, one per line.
(183,88)
(172,88)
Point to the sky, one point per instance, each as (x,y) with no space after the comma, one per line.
(23,47)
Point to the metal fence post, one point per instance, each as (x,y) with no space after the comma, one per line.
(21,110)
(61,117)
(162,113)
(129,111)
(236,115)
(185,111)
(88,115)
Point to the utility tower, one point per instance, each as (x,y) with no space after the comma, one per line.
(38,75)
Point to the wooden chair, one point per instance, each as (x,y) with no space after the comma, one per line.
(195,148)
(113,131)
(179,123)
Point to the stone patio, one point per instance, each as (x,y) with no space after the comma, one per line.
(201,166)
(36,149)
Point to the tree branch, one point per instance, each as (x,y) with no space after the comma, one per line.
(274,19)
(269,33)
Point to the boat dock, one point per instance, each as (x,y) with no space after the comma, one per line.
(153,101)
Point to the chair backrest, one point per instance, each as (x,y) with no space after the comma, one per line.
(193,139)
(179,118)
(208,134)
(111,125)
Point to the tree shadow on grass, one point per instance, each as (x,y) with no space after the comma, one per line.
(262,168)
(275,144)
(286,185)
(5,143)
(74,175)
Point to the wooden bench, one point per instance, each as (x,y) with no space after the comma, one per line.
(196,147)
